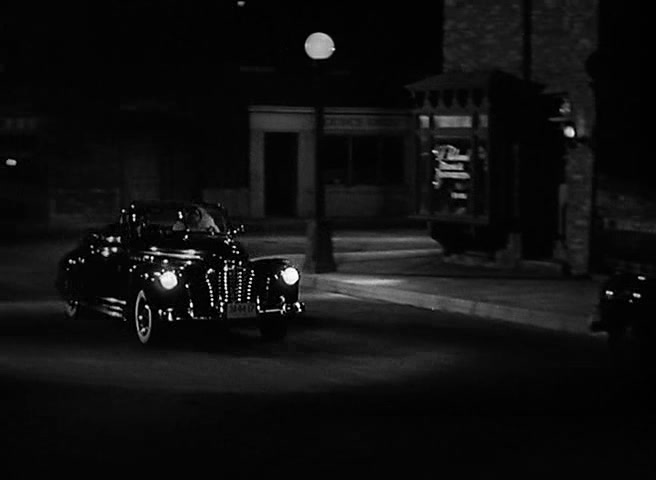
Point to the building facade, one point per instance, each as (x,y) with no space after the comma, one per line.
(368,157)
(547,43)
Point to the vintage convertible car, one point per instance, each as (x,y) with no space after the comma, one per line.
(168,262)
(625,311)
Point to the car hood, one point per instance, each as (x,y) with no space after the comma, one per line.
(190,247)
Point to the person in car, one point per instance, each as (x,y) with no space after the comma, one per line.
(196,220)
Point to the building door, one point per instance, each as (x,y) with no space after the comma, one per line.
(280,157)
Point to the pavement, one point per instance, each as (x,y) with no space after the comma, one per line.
(379,262)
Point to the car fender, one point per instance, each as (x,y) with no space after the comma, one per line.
(67,281)
(270,266)
(268,270)
(145,277)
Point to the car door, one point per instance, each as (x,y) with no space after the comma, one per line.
(83,276)
(110,263)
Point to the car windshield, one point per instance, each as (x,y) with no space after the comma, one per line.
(186,218)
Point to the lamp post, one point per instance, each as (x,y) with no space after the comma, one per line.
(319,254)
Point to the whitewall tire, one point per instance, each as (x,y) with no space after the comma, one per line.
(145,319)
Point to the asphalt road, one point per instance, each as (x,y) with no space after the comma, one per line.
(357,384)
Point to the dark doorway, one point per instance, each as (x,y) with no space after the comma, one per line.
(280,153)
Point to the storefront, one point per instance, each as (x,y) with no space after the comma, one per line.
(489,166)
(368,163)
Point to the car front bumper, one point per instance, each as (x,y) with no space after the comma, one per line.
(222,313)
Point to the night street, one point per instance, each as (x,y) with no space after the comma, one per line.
(355,382)
(437,218)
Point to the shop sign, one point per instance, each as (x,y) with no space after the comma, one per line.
(452,121)
(362,122)
(451,165)
(459,121)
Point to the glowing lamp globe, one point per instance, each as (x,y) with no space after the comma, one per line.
(569,131)
(319,46)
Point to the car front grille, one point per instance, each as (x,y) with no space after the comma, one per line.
(232,283)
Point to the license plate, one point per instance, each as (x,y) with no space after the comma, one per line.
(242,310)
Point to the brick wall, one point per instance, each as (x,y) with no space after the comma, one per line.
(625,235)
(564,36)
(482,35)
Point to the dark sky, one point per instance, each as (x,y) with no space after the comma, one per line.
(61,36)
(378,35)
(50,40)
(57,41)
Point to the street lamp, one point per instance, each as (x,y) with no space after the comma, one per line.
(319,254)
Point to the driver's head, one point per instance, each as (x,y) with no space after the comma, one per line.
(193,217)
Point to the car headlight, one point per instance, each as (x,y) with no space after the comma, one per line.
(168,280)
(290,275)
(609,293)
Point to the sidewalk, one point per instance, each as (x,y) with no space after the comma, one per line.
(399,265)
(527,297)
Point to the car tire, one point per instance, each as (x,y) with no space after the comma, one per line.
(273,329)
(144,319)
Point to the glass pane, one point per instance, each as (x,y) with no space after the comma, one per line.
(452,176)
(335,159)
(391,161)
(365,159)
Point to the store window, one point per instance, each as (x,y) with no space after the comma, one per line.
(335,160)
(363,160)
(391,161)
(366,153)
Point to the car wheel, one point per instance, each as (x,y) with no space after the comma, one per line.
(72,310)
(273,329)
(145,319)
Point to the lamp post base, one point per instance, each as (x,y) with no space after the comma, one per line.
(319,251)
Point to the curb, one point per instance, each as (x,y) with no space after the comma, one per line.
(577,324)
